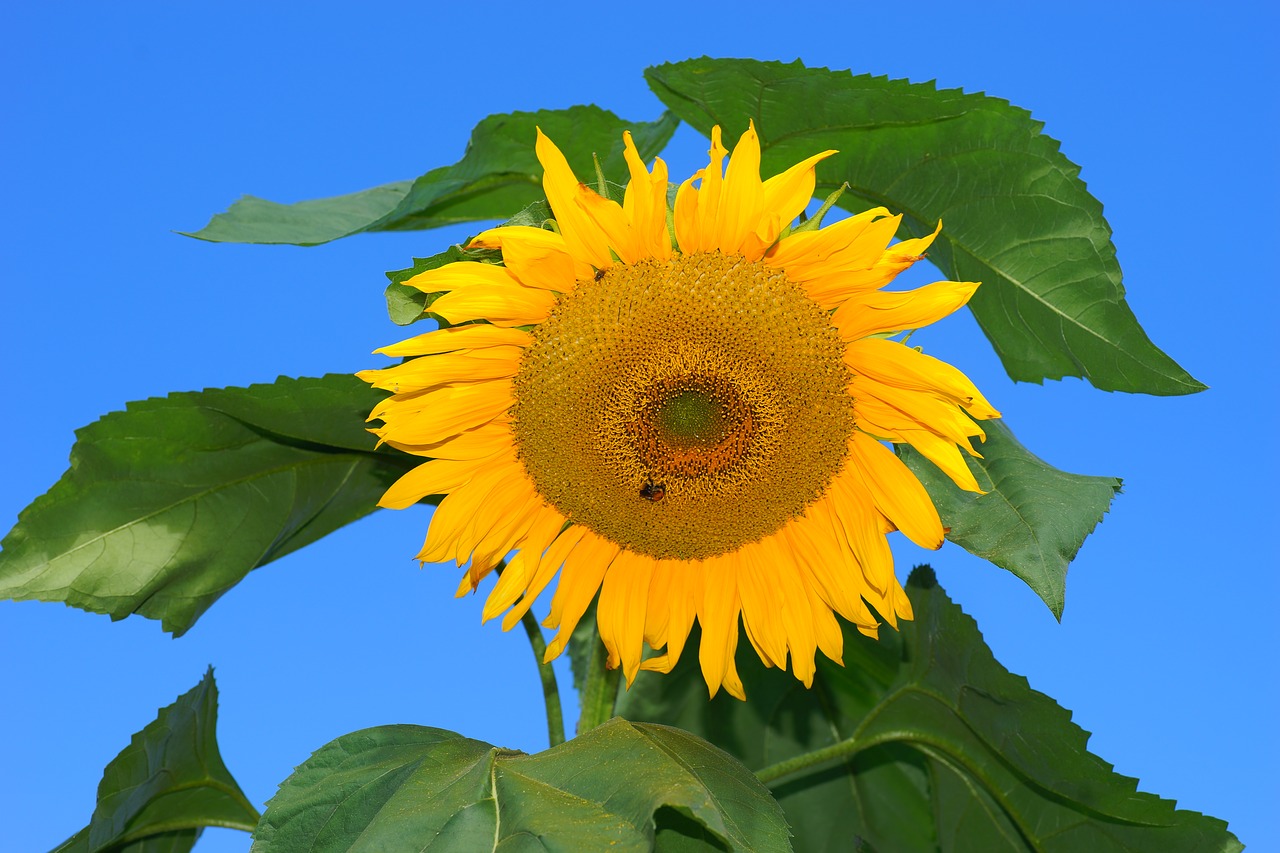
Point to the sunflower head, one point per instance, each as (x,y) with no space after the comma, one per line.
(689,419)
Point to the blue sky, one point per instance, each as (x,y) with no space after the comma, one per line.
(125,123)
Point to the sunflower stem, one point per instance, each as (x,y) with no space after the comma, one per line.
(600,690)
(843,749)
(550,690)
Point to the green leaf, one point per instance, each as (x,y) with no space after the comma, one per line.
(1017,216)
(616,787)
(178,841)
(939,749)
(407,304)
(170,503)
(1033,518)
(160,792)
(496,177)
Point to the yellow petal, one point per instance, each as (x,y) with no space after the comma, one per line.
(789,193)
(624,595)
(460,275)
(685,216)
(718,610)
(502,305)
(897,492)
(442,413)
(826,629)
(699,234)
(738,213)
(831,290)
(609,217)
(684,576)
(793,606)
(757,588)
(852,505)
(925,410)
(528,242)
(879,312)
(945,455)
(453,514)
(433,370)
(437,477)
(645,202)
(586,241)
(732,682)
(657,614)
(546,569)
(892,363)
(502,521)
(541,266)
(580,578)
(834,568)
(855,243)
(475,443)
(519,573)
(455,338)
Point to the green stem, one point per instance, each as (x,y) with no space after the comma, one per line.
(600,692)
(843,749)
(550,691)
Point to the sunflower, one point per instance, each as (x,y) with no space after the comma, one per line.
(683,410)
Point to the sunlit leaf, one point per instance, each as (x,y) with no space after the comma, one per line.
(1016,215)
(168,504)
(1032,519)
(496,177)
(160,792)
(617,787)
(949,752)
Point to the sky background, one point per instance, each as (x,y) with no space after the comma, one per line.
(122,123)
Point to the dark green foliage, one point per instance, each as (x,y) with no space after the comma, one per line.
(950,751)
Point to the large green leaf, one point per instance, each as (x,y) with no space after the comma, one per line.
(168,504)
(618,787)
(1017,216)
(1032,519)
(160,792)
(942,749)
(496,177)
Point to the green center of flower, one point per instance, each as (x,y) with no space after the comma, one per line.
(683,408)
(691,418)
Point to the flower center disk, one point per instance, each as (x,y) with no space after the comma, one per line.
(683,408)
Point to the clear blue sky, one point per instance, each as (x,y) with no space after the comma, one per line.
(123,122)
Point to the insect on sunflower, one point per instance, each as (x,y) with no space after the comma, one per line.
(689,420)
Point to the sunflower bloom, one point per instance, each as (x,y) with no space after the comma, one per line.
(687,419)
